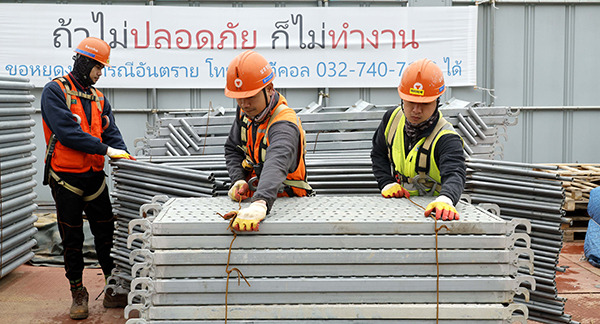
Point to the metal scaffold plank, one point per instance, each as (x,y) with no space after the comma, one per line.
(324,298)
(347,285)
(337,311)
(489,269)
(340,241)
(337,215)
(332,256)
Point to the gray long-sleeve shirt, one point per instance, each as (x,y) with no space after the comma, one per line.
(281,157)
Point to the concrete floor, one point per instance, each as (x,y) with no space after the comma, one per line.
(32,294)
(580,284)
(40,294)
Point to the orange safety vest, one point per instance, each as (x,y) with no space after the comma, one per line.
(256,148)
(65,159)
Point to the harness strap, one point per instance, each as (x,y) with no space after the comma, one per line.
(76,190)
(392,131)
(298,184)
(263,145)
(423,156)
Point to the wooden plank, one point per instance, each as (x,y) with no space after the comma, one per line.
(576,234)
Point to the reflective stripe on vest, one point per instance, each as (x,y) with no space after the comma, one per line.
(65,159)
(256,148)
(418,169)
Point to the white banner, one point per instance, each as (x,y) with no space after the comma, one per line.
(191,47)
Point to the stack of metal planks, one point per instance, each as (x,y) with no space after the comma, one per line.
(329,259)
(328,129)
(16,173)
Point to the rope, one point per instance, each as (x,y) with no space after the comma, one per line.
(437,263)
(316,140)
(227,270)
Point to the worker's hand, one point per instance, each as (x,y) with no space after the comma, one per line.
(114,153)
(443,209)
(248,218)
(394,190)
(239,190)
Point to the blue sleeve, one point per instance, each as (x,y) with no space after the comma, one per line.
(60,120)
(111,135)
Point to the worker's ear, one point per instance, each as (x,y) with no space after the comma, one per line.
(269,87)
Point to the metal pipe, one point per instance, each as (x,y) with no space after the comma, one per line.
(514,164)
(500,169)
(170,171)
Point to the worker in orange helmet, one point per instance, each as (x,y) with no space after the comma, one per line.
(415,150)
(266,147)
(80,129)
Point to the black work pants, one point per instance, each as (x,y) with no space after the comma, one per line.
(69,210)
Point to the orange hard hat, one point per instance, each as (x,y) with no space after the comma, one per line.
(422,81)
(94,48)
(247,74)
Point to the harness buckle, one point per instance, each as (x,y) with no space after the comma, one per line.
(425,184)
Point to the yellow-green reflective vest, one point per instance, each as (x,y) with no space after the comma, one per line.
(417,171)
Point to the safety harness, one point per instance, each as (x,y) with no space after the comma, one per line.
(423,182)
(48,172)
(248,163)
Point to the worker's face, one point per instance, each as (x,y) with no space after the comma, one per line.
(96,73)
(417,113)
(254,105)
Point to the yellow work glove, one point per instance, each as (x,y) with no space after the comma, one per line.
(443,209)
(239,190)
(114,153)
(394,190)
(248,218)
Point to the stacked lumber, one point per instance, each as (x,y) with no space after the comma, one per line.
(585,177)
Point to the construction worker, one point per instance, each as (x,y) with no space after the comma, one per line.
(415,150)
(80,129)
(266,142)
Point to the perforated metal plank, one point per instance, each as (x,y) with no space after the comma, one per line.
(291,270)
(334,284)
(334,311)
(305,297)
(333,256)
(336,215)
(339,241)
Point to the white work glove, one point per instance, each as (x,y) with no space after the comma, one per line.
(248,218)
(394,190)
(114,153)
(239,190)
(444,208)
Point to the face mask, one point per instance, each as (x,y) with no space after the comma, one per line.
(82,67)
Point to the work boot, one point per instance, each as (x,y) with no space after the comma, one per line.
(79,308)
(114,300)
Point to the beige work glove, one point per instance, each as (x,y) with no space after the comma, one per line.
(443,209)
(114,153)
(248,218)
(239,191)
(394,190)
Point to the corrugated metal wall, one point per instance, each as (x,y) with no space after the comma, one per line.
(539,57)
